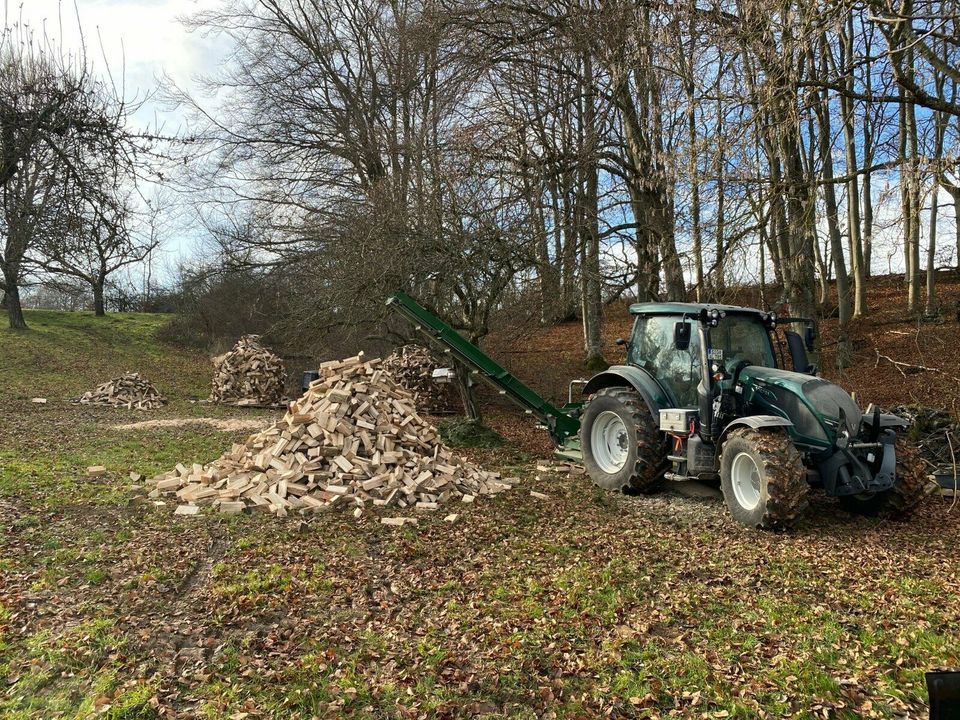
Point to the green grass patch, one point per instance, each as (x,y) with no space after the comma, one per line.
(462,432)
(63,354)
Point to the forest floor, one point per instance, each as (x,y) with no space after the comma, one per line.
(582,604)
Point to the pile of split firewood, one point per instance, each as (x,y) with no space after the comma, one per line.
(129,391)
(412,366)
(354,440)
(248,375)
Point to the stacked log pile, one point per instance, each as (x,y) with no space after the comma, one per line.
(248,375)
(412,367)
(354,440)
(128,391)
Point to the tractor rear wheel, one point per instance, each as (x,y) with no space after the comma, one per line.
(900,500)
(763,479)
(623,448)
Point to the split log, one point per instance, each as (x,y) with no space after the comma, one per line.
(128,391)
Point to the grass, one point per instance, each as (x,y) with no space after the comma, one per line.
(63,354)
(463,433)
(585,604)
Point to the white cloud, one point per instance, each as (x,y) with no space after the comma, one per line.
(137,41)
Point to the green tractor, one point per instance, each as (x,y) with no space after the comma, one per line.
(703,397)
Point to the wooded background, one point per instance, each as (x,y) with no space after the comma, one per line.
(552,156)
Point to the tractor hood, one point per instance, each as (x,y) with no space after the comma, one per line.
(812,404)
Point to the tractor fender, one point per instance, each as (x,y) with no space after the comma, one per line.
(755,422)
(639,379)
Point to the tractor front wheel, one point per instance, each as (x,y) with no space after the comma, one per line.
(623,448)
(763,479)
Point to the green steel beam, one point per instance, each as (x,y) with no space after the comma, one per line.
(560,425)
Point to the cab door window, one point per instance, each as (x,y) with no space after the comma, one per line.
(653,349)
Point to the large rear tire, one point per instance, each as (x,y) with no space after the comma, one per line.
(763,479)
(901,500)
(623,448)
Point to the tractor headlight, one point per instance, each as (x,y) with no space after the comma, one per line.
(714,316)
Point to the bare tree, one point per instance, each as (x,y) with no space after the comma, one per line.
(58,124)
(101,235)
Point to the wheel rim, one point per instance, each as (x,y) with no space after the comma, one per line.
(745,478)
(609,442)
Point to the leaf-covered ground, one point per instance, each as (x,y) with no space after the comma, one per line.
(584,604)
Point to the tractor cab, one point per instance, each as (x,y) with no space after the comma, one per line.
(673,342)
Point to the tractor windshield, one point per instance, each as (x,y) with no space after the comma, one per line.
(742,337)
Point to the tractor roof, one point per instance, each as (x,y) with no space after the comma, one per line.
(680,308)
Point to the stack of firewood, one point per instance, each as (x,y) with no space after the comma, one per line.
(129,391)
(248,375)
(354,440)
(412,367)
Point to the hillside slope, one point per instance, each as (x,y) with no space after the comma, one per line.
(555,599)
(62,354)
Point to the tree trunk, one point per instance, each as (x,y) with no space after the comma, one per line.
(798,273)
(910,191)
(868,153)
(569,262)
(99,309)
(468,395)
(940,123)
(930,305)
(956,221)
(591,290)
(911,209)
(14,307)
(693,172)
(854,219)
(867,222)
(844,351)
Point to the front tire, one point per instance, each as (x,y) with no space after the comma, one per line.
(623,448)
(763,479)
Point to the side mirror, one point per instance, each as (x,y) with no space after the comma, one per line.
(798,355)
(810,338)
(681,335)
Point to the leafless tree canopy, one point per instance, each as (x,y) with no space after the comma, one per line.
(68,165)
